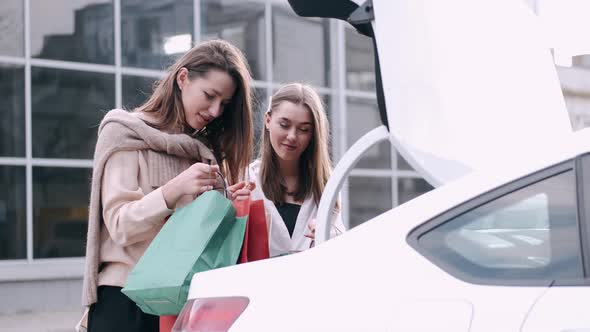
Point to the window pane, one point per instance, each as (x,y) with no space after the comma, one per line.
(575,85)
(260,103)
(368,198)
(327,100)
(531,233)
(581,61)
(301,48)
(363,116)
(155,33)
(13,216)
(12,28)
(360,61)
(60,208)
(73,30)
(67,109)
(241,23)
(12,111)
(402,163)
(136,90)
(410,188)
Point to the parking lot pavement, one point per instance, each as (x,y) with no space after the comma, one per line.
(59,321)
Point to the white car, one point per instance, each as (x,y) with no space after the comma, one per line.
(502,243)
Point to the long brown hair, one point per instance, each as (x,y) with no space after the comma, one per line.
(314,163)
(230,135)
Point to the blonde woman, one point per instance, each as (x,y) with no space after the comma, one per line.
(293,167)
(148,162)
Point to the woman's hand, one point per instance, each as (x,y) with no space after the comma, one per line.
(311,234)
(195,180)
(241,190)
(311,227)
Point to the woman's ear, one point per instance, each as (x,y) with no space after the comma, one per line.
(182,78)
(267,120)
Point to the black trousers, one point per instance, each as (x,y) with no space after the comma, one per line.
(114,312)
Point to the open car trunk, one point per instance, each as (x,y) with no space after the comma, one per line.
(457,92)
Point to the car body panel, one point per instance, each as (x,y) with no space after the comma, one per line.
(560,309)
(397,283)
(396,287)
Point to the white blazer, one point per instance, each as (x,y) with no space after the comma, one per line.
(279,240)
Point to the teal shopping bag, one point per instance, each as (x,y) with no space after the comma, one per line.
(201,236)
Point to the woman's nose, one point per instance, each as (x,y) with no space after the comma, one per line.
(215,109)
(291,135)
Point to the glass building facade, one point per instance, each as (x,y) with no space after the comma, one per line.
(64,63)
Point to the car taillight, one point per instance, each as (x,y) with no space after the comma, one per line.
(215,314)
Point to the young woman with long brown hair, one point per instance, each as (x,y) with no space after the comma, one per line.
(157,158)
(293,167)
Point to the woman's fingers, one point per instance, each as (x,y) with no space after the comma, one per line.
(311,225)
(241,194)
(204,177)
(204,171)
(195,180)
(236,187)
(241,190)
(251,185)
(233,189)
(203,189)
(203,185)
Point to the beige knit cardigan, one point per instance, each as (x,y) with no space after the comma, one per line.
(124,131)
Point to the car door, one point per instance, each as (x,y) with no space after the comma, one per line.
(509,247)
(563,307)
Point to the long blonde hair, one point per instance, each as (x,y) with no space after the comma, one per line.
(231,135)
(314,163)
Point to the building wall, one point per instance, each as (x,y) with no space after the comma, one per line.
(40,295)
(63,64)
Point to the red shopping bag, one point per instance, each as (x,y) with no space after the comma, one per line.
(255,245)
(242,207)
(167,322)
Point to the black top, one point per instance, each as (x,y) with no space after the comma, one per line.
(289,212)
